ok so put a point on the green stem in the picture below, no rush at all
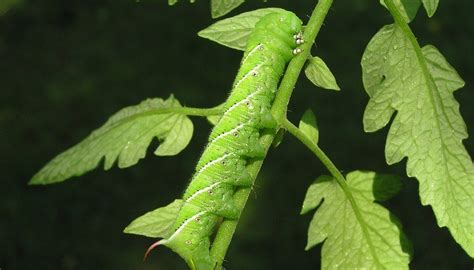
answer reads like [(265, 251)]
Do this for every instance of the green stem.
[(280, 105), (227, 229), (337, 175), (318, 152), (190, 111)]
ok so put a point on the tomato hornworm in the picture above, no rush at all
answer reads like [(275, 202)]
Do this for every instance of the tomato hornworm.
[(235, 139)]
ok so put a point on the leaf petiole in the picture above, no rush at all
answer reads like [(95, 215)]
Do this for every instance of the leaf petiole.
[(190, 111), (319, 153)]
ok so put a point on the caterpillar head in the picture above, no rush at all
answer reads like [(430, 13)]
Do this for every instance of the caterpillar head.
[(291, 22), (275, 31)]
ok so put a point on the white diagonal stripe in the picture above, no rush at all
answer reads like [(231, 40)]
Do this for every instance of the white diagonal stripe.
[(240, 102), (252, 52), (250, 73), (210, 163), (197, 193), (222, 135), (184, 225)]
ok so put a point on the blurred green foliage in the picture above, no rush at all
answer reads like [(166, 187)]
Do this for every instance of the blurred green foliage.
[(6, 5), (67, 65)]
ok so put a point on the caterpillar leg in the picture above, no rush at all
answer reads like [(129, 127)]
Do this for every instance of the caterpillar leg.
[(202, 261), (216, 199), (254, 149), (244, 180), (228, 210), (199, 258), (267, 120), (219, 201)]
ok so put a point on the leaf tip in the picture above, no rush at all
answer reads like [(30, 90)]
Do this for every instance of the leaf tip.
[(40, 179), (320, 75), (34, 181), (129, 229), (303, 210), (126, 230), (369, 126), (308, 246), (201, 33)]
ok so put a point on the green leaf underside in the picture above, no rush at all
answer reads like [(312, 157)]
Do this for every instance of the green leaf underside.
[(360, 236), (233, 32), (319, 74), (157, 223), (428, 128), (408, 8), (218, 7), (430, 6), (222, 7), (126, 137), (309, 126)]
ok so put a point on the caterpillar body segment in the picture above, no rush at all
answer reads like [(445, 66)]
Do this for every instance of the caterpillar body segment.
[(222, 169), (234, 140)]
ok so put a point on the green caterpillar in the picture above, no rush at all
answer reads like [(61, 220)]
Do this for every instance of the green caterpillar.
[(222, 166)]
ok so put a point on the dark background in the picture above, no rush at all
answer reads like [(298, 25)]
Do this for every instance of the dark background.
[(65, 66)]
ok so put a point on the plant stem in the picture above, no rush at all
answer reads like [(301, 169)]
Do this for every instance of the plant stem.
[(226, 230), (189, 111), (317, 151), (337, 175), (280, 105)]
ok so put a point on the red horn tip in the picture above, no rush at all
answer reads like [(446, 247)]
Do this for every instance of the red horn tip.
[(150, 249)]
